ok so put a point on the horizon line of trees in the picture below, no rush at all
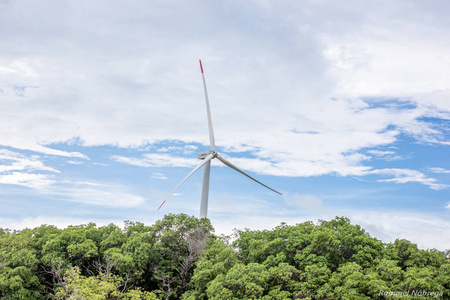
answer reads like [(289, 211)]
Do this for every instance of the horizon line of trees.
[(180, 257)]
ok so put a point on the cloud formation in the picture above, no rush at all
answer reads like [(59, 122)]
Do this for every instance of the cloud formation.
[(406, 175), (297, 89), (18, 169), (31, 172)]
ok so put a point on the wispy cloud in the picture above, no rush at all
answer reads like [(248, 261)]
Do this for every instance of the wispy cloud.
[(156, 160), (159, 176), (386, 155), (407, 175), (35, 181), (186, 149), (297, 167), (30, 171), (75, 162), (14, 161), (440, 170), (95, 193), (19, 169)]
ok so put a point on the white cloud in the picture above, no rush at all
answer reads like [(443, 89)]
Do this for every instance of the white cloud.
[(36, 181), (18, 169), (295, 109), (380, 153), (89, 99), (13, 161), (109, 195), (296, 166), (75, 162), (159, 176), (386, 155), (407, 175), (157, 160), (186, 149), (386, 54), (440, 170)]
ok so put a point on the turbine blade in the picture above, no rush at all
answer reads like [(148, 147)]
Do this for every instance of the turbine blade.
[(227, 163), (208, 111), (208, 158)]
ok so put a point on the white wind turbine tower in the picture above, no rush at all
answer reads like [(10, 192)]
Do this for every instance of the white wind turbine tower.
[(207, 156)]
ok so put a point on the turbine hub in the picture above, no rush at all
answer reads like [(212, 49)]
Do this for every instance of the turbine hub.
[(204, 154)]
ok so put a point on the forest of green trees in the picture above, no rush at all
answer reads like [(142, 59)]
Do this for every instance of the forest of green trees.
[(179, 257)]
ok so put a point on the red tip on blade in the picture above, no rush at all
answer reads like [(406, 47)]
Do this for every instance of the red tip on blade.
[(201, 67), (162, 204)]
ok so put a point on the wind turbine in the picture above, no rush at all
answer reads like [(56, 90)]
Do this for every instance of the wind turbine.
[(206, 158)]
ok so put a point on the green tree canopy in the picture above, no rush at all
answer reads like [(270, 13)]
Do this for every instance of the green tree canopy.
[(179, 257)]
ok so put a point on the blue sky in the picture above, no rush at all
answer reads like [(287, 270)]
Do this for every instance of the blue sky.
[(343, 107)]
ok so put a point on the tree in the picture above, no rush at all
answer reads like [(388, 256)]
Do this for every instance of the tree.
[(240, 282), (217, 259), (18, 266), (180, 239), (100, 287), (421, 279)]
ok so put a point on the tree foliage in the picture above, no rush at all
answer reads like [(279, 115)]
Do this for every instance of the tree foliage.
[(179, 257)]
